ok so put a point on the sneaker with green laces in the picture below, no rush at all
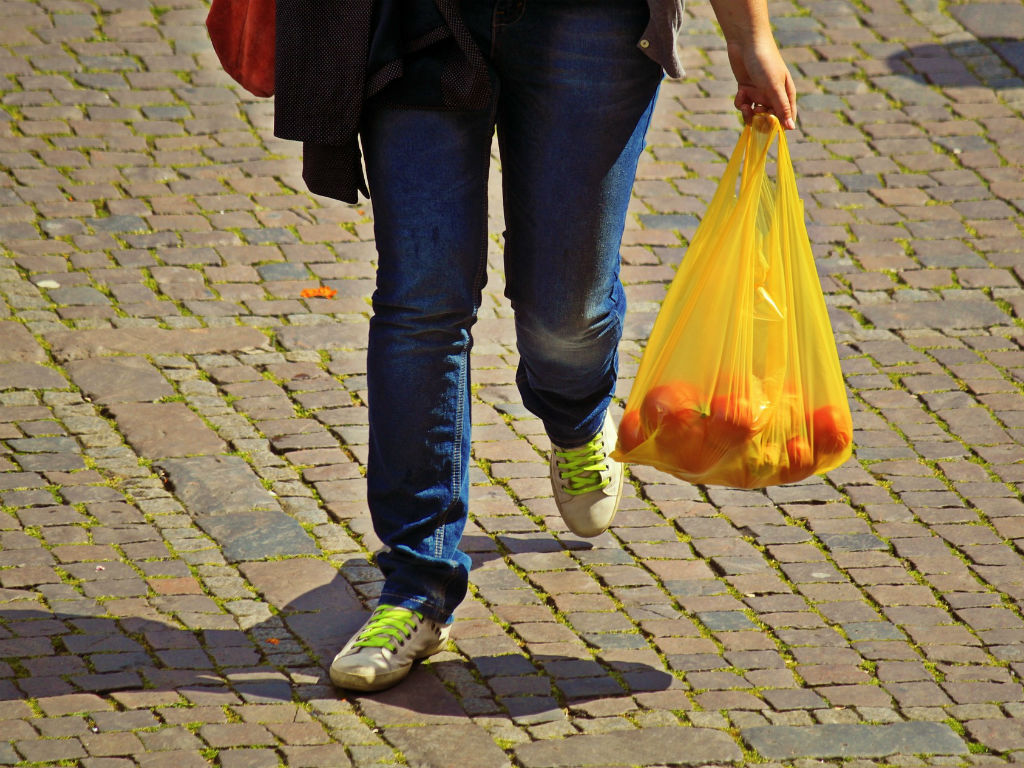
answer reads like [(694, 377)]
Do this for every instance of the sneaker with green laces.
[(384, 649), (587, 483)]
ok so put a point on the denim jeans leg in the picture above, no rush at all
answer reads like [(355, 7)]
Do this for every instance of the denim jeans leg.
[(576, 101), (427, 173)]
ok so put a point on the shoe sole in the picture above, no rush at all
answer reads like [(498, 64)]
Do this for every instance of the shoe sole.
[(355, 682)]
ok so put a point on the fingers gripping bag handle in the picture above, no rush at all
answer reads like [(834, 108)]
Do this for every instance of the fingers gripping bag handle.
[(740, 383)]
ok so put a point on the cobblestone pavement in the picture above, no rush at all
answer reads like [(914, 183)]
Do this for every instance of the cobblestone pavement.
[(184, 540)]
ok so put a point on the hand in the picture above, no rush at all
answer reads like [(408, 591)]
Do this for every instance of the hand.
[(764, 82)]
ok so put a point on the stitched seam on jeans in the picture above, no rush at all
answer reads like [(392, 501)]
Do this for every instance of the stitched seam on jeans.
[(454, 483), (478, 283)]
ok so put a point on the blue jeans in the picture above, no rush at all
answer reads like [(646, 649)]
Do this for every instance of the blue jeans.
[(573, 98)]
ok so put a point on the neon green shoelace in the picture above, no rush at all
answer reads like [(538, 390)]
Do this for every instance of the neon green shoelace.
[(581, 468), (389, 627)]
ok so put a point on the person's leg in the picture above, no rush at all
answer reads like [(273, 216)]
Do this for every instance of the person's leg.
[(427, 172), (577, 98)]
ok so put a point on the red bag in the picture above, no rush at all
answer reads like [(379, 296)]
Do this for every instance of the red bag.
[(242, 33)]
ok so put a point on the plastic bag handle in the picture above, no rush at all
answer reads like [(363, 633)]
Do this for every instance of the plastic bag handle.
[(744, 156)]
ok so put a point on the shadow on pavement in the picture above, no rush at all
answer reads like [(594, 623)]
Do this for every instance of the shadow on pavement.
[(49, 653), (53, 653), (964, 64)]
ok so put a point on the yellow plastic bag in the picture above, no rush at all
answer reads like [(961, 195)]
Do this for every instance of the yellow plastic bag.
[(740, 383)]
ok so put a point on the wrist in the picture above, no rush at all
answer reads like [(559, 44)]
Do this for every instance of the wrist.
[(755, 38)]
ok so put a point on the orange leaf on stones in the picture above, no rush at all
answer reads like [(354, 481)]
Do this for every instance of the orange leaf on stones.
[(320, 292)]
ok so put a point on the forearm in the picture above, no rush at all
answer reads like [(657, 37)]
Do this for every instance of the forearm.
[(743, 22)]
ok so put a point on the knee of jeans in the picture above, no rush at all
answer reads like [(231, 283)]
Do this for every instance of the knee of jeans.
[(425, 305), (423, 317), (571, 337)]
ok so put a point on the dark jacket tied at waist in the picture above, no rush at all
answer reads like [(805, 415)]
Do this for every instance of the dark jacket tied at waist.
[(331, 57)]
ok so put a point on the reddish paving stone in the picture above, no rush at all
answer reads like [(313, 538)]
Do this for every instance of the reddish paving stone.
[(688, 746), (166, 430), (50, 750), (19, 344), (172, 759), (248, 758), (999, 735), (119, 380), (111, 744), (58, 706), (977, 692), (299, 733), (918, 694), (432, 745), (225, 735), (325, 756), (855, 695)]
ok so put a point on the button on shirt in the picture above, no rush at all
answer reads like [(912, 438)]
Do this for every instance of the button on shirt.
[(662, 34)]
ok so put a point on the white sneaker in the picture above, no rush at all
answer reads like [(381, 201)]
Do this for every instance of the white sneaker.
[(587, 483), (382, 652)]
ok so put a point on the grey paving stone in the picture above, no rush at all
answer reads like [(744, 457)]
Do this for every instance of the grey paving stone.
[(872, 630), (50, 462), (786, 742), (1013, 54), (44, 445), (271, 235), (989, 19), (429, 746), (165, 430), (30, 376), (853, 542), (217, 485), (78, 295), (119, 224), (76, 345), (935, 314), (254, 535), (647, 746), (718, 621), (669, 221), (329, 336), (283, 271), (119, 380)]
